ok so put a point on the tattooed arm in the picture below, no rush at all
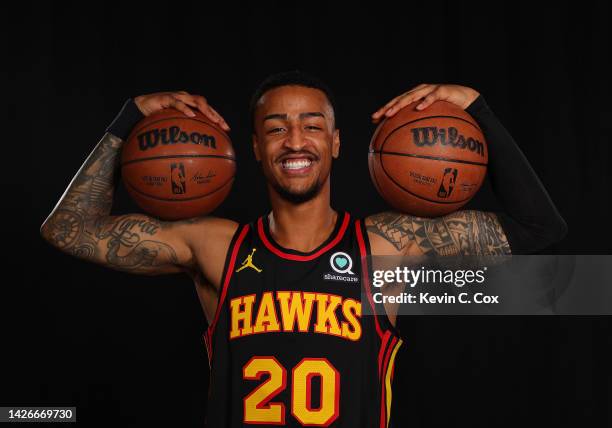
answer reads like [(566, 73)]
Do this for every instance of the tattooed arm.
[(459, 233), (81, 225)]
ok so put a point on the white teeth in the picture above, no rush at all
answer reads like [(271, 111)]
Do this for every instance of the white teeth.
[(296, 164)]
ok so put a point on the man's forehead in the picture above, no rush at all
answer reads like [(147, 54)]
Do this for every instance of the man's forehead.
[(294, 98)]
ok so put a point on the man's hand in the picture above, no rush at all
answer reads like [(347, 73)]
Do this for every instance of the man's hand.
[(181, 101), (461, 96)]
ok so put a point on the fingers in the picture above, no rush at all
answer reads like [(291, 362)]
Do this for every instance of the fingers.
[(437, 94), (409, 98), (181, 106), (422, 85), (390, 104), (427, 101), (378, 113), (169, 100), (201, 104), (403, 100), (195, 101)]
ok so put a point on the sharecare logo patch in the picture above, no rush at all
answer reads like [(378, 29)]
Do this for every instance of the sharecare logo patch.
[(341, 262)]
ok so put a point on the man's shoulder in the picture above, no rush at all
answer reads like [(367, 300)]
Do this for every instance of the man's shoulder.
[(390, 233), (206, 231)]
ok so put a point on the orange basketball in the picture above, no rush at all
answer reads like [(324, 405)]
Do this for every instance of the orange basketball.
[(178, 167), (430, 162)]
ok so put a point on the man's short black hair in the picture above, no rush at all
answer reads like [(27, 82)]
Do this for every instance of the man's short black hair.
[(289, 78)]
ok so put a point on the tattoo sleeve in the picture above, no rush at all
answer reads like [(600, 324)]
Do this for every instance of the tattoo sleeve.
[(80, 223), (459, 233)]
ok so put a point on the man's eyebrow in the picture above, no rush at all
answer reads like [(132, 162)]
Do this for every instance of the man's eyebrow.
[(312, 114), (302, 115), (275, 116)]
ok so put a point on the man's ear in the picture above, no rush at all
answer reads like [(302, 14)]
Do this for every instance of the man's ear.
[(336, 144), (255, 147)]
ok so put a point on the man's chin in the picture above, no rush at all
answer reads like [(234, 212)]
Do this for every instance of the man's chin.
[(298, 196)]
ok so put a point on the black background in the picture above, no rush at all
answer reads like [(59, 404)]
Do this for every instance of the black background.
[(126, 350)]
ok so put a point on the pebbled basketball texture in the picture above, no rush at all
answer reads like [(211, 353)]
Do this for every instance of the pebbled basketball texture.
[(177, 167), (428, 163)]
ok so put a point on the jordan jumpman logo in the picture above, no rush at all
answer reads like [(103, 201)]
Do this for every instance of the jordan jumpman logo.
[(248, 262)]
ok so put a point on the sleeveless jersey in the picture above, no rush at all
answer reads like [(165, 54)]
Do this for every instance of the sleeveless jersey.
[(290, 344)]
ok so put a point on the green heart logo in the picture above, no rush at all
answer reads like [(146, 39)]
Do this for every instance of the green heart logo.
[(341, 262)]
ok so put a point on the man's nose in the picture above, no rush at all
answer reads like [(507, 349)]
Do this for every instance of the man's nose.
[(295, 139)]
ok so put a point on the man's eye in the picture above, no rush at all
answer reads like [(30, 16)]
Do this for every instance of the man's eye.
[(275, 130), (312, 127)]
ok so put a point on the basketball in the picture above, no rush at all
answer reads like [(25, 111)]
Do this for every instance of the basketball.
[(177, 167), (428, 163)]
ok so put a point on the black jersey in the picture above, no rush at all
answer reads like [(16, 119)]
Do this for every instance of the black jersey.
[(289, 345)]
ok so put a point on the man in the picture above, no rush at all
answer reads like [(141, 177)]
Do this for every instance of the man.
[(287, 342)]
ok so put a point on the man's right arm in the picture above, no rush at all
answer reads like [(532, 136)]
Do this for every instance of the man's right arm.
[(81, 224)]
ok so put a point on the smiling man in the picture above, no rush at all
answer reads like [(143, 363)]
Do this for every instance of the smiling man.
[(297, 168), (287, 341)]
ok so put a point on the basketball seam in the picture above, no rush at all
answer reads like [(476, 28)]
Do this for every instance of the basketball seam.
[(435, 117), (382, 165), (140, 192), (178, 156), (429, 157)]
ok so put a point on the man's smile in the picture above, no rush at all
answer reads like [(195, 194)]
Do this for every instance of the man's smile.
[(297, 164)]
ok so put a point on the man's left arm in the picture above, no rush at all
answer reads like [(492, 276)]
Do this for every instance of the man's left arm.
[(529, 221), (459, 233)]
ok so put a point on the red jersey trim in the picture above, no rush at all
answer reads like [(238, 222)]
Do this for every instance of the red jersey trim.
[(381, 352), (386, 382), (366, 275), (383, 396), (302, 258), (227, 278)]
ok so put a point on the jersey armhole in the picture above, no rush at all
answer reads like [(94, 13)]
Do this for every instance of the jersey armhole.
[(228, 270), (381, 314)]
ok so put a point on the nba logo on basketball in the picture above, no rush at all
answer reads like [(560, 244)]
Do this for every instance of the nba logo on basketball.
[(448, 182), (177, 174)]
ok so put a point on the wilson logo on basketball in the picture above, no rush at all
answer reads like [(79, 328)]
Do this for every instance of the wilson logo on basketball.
[(173, 135), (431, 135)]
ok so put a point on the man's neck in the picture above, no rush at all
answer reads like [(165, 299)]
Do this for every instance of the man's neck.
[(302, 227)]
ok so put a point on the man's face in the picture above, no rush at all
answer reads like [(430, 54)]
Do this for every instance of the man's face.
[(295, 139)]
